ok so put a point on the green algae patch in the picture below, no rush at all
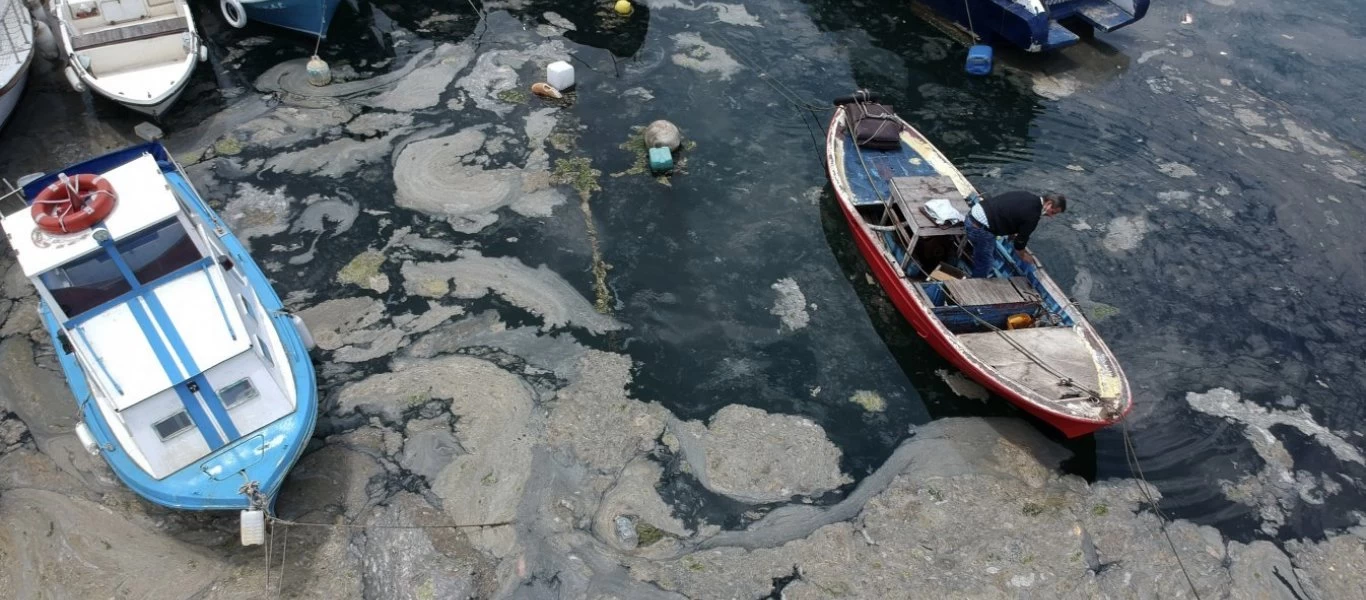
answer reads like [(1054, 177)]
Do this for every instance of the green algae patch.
[(563, 141), (514, 96), (870, 401), (640, 164), (1100, 311), (227, 146), (578, 173), (363, 271), (648, 534)]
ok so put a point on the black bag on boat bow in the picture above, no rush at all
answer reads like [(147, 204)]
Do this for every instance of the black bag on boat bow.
[(875, 126)]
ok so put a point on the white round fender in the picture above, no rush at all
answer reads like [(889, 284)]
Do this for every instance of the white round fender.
[(87, 440), (76, 83), (233, 13), (253, 527), (304, 334)]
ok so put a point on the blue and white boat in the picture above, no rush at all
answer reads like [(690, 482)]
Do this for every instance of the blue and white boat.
[(308, 16), (191, 379), (1039, 25)]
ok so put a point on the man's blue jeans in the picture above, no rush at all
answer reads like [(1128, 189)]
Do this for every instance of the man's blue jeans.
[(983, 248)]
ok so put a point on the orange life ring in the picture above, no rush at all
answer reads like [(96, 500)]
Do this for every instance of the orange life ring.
[(73, 203)]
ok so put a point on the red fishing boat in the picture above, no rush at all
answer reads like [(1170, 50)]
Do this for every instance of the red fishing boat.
[(1014, 331)]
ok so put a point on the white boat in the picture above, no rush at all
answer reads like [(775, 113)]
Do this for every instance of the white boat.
[(139, 53), (16, 54)]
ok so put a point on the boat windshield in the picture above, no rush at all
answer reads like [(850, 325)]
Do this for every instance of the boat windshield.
[(85, 283), (158, 251), (94, 279)]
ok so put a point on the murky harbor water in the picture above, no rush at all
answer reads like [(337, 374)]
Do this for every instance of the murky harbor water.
[(518, 325)]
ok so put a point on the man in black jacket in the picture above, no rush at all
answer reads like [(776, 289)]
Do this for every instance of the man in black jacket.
[(1013, 214)]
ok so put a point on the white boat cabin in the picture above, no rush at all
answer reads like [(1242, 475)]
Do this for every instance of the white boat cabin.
[(177, 352)]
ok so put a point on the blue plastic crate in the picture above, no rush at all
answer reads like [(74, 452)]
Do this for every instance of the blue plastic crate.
[(661, 160), (979, 60)]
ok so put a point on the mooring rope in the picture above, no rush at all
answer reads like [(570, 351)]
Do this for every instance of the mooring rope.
[(1131, 454), (350, 526)]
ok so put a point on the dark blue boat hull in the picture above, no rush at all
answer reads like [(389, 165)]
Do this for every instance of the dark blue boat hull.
[(308, 16), (1063, 22)]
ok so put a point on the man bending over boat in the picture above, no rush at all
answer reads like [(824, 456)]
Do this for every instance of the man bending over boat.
[(1013, 214)]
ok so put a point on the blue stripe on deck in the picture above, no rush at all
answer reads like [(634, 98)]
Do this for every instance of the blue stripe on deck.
[(883, 165), (183, 352), (188, 400), (220, 412)]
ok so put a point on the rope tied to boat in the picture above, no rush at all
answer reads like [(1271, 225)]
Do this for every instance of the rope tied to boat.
[(1131, 455), (1093, 396)]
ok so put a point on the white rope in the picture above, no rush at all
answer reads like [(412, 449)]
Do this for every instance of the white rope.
[(1131, 453), (284, 563), (366, 527), (971, 29)]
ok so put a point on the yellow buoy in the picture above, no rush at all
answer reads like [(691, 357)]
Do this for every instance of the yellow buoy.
[(624, 7)]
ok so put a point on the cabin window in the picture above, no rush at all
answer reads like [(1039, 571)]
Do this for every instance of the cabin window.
[(173, 425), (85, 283), (246, 307), (237, 393), (158, 251), (265, 352)]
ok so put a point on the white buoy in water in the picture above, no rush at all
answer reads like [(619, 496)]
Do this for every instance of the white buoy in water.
[(253, 527), (560, 75), (663, 134), (319, 74)]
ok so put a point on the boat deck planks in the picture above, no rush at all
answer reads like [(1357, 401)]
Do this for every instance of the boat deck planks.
[(1058, 347), (136, 31), (983, 292)]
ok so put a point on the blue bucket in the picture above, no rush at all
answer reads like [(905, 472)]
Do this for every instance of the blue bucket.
[(979, 60)]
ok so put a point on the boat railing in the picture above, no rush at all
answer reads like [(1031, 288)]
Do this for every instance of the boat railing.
[(12, 199), (18, 39)]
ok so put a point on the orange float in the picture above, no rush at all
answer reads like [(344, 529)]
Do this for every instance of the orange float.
[(73, 203)]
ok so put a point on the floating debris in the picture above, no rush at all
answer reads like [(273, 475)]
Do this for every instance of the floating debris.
[(545, 90)]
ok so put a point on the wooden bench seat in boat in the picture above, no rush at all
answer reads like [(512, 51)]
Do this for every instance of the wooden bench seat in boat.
[(1061, 348), (985, 291), (127, 33)]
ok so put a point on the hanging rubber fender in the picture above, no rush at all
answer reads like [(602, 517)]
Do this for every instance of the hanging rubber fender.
[(233, 13), (87, 439), (203, 51), (305, 335), (76, 83), (73, 204), (859, 96)]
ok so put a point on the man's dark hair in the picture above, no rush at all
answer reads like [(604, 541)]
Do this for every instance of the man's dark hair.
[(1059, 201)]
